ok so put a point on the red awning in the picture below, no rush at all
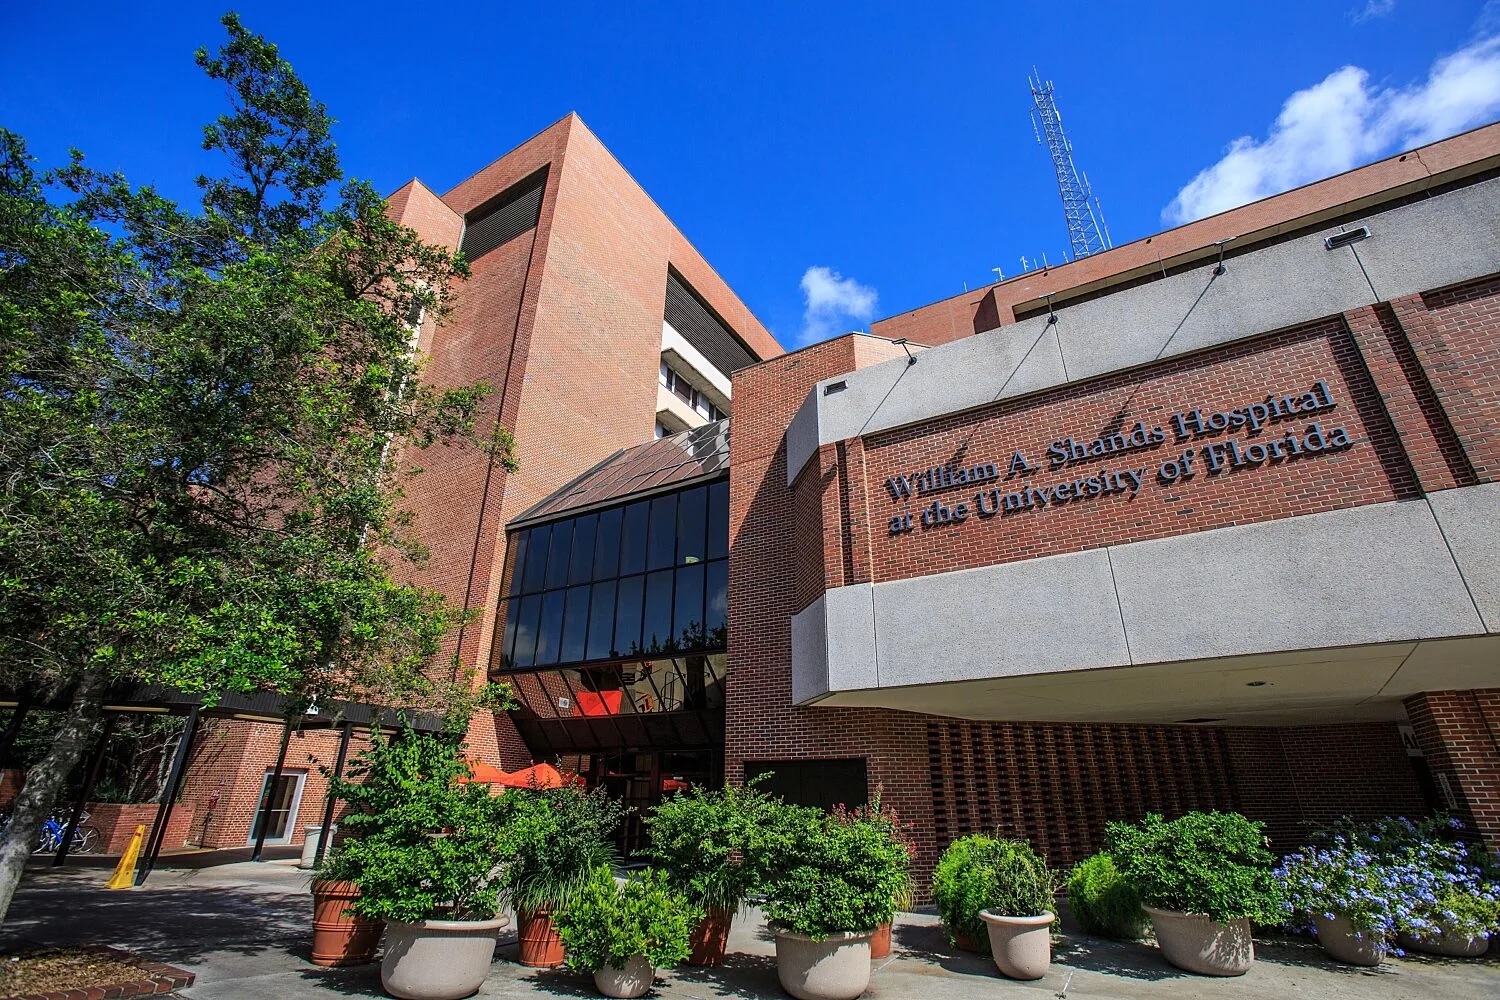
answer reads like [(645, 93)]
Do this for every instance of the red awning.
[(599, 702)]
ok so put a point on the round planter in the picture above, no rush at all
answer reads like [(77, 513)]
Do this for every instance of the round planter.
[(963, 942), (541, 945), (1339, 941), (835, 968), (880, 943), (1450, 945), (711, 937), (632, 981), (1194, 943), (438, 959), (341, 938), (1021, 946)]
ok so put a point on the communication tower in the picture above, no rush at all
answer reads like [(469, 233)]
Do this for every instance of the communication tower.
[(1086, 229)]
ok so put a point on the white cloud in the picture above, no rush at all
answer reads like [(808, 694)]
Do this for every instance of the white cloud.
[(1343, 122), (1372, 10), (832, 303)]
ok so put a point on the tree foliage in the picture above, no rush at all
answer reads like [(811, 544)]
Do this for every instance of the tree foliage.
[(207, 415)]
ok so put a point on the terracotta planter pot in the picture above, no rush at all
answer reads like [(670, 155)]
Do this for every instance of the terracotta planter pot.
[(541, 945), (1339, 941), (963, 942), (835, 968), (880, 944), (1021, 946), (632, 981), (711, 937), (438, 959), (341, 938), (1450, 945), (1194, 943)]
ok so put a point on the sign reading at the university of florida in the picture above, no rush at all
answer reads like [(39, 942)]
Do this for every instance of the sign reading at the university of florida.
[(1189, 427)]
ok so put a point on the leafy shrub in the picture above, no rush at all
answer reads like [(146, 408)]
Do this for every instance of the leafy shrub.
[(424, 845), (608, 923), (702, 839), (1105, 903), (557, 853), (1212, 863), (982, 873), (824, 874), (888, 819), (1343, 878)]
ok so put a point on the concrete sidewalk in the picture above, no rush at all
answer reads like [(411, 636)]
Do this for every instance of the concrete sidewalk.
[(245, 929)]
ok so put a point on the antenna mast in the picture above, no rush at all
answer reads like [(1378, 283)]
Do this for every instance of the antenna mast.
[(1086, 229)]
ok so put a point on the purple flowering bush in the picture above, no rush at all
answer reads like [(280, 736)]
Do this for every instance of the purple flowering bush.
[(1394, 876)]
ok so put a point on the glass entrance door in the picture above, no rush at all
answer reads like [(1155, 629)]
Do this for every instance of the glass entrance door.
[(278, 807)]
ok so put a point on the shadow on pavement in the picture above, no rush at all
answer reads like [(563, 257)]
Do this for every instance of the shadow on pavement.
[(746, 976)]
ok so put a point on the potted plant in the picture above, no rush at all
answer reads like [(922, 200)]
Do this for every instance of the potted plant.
[(341, 936), (1352, 897), (427, 854), (1203, 878), (961, 888), (885, 816), (830, 881), (1103, 900), (623, 931), (1020, 918), (700, 840), (1452, 890), (555, 859)]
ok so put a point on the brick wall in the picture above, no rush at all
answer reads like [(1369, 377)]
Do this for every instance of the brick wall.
[(116, 823), (1459, 732)]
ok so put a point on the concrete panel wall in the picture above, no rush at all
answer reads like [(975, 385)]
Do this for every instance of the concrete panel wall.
[(1372, 574), (1470, 520), (1446, 239), (1037, 616)]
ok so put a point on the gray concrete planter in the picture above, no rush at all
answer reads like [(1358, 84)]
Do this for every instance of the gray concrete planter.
[(1194, 943), (1339, 941), (438, 959), (1021, 946), (632, 981), (835, 968)]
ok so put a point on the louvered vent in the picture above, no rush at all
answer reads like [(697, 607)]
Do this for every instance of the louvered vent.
[(502, 219), (702, 328)]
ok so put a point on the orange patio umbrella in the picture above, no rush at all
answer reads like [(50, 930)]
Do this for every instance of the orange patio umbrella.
[(484, 774), (540, 776)]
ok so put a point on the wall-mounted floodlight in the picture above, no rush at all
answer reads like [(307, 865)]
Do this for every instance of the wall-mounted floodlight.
[(1344, 239), (911, 358), (1219, 268)]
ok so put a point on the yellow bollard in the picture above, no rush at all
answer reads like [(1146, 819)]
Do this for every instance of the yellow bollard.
[(124, 876)]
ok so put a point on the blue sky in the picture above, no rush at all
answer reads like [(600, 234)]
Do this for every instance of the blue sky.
[(835, 162)]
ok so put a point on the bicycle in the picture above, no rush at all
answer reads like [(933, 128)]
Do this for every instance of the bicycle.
[(49, 840)]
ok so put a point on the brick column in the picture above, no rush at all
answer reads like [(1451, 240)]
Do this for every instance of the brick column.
[(1458, 732)]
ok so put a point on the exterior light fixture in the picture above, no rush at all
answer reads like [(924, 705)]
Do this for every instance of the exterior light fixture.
[(1345, 238), (911, 358), (1219, 268)]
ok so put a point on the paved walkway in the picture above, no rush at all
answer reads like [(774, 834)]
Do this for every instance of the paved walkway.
[(245, 928)]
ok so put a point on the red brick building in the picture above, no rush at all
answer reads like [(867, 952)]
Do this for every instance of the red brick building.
[(1203, 521)]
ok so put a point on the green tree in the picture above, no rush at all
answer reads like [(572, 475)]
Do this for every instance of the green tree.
[(205, 421)]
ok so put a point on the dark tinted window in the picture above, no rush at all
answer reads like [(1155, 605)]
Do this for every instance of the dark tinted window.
[(601, 621), (716, 613), (575, 625), (607, 544), (633, 538), (549, 627), (692, 512), (517, 559), (536, 558), (687, 608), (656, 629), (582, 565), (718, 520), (525, 624), (627, 639), (662, 538), (558, 552)]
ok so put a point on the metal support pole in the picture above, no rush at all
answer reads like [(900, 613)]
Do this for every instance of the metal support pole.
[(13, 729), (168, 796), (263, 814), (338, 772), (85, 792)]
